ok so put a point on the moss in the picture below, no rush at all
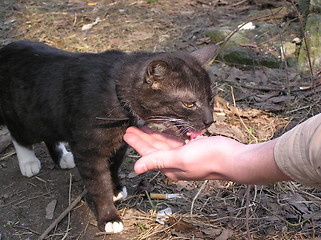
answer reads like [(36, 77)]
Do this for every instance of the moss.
[(315, 6), (219, 34), (238, 56), (245, 56)]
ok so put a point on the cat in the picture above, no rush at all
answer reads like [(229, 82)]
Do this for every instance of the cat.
[(90, 99)]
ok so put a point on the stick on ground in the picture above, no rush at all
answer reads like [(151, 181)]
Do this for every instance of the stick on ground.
[(62, 215)]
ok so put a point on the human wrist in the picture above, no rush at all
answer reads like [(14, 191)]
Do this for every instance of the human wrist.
[(256, 164), (225, 163)]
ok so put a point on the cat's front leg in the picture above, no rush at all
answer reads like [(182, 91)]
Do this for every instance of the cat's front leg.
[(120, 192), (94, 170), (28, 162), (60, 155)]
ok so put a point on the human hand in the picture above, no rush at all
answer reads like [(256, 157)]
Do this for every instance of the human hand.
[(204, 158), (199, 159)]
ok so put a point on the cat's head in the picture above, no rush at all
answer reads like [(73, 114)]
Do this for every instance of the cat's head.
[(174, 90)]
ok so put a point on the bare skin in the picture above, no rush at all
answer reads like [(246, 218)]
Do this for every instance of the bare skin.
[(204, 158)]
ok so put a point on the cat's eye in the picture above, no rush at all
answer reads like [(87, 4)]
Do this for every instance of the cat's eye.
[(188, 104)]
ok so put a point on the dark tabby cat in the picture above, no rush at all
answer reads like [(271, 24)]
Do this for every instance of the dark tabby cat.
[(55, 96)]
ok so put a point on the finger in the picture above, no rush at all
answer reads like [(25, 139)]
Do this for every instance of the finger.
[(170, 139), (149, 138), (133, 130), (138, 143), (148, 133), (155, 160)]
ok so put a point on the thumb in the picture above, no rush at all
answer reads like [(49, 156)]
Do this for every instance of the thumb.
[(154, 160)]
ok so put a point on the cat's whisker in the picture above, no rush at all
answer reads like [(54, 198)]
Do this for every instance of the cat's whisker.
[(167, 119), (183, 127)]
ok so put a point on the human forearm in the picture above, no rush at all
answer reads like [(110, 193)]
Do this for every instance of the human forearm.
[(254, 164)]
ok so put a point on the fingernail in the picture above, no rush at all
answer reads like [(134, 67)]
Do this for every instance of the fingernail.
[(140, 168)]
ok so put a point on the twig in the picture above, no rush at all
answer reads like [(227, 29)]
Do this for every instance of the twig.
[(247, 211), (238, 3), (238, 114), (285, 59), (69, 201), (7, 155), (63, 214), (196, 196), (293, 88)]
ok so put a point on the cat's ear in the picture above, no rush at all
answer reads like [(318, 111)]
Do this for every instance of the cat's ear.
[(156, 70), (206, 54)]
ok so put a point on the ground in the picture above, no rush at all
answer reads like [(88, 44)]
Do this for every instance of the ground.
[(253, 104)]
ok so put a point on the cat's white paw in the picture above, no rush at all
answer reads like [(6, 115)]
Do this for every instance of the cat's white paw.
[(114, 227), (28, 162), (30, 167), (67, 161), (122, 195)]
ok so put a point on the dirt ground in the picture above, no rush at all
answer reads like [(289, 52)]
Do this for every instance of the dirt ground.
[(253, 104)]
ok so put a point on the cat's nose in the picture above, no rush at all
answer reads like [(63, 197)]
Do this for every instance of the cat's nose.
[(208, 122)]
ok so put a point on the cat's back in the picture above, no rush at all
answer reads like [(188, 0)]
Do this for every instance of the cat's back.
[(21, 53), (22, 48), (30, 52)]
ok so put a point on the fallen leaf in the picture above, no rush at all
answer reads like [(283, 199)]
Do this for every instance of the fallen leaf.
[(203, 40), (50, 209), (184, 185), (180, 225), (299, 203), (144, 185), (90, 25), (212, 231), (280, 99), (264, 97), (226, 234), (132, 175)]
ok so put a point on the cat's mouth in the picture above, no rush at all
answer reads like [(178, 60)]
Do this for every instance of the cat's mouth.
[(178, 131), (191, 135)]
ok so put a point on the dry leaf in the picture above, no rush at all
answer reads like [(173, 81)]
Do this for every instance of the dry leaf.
[(280, 99), (50, 209), (180, 225), (132, 175), (184, 185), (211, 231), (90, 25), (226, 234)]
